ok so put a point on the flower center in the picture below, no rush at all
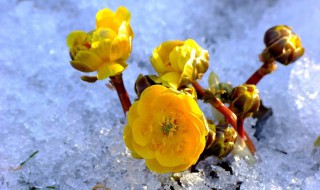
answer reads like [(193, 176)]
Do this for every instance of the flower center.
[(169, 126)]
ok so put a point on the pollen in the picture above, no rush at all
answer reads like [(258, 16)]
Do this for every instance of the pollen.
[(169, 127)]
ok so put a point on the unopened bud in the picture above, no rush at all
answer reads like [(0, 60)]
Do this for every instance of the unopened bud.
[(142, 82), (210, 139), (244, 100), (282, 44), (224, 141)]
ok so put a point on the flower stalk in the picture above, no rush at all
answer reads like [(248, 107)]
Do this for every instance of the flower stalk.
[(266, 68), (240, 127), (228, 114), (216, 103), (117, 82)]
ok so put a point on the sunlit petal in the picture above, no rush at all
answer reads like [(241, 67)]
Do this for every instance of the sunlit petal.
[(109, 69), (86, 61), (141, 131)]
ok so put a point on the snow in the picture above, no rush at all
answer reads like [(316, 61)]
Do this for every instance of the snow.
[(77, 127)]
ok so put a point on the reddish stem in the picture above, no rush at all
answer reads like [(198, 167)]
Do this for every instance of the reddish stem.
[(216, 103), (266, 68), (117, 82), (240, 127), (255, 78), (228, 114)]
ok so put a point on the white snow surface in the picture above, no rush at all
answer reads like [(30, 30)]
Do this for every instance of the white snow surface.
[(77, 127)]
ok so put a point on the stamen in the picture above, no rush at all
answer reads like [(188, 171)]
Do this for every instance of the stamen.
[(169, 127)]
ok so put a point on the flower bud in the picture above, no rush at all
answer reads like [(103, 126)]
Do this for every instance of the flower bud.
[(211, 134), (224, 141), (142, 82), (282, 44), (244, 100)]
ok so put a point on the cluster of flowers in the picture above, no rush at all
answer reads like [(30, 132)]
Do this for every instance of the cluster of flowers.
[(165, 125)]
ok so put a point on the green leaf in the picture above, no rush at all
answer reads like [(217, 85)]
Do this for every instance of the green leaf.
[(31, 156)]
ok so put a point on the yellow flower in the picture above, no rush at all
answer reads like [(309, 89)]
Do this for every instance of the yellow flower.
[(106, 48), (179, 63), (167, 129)]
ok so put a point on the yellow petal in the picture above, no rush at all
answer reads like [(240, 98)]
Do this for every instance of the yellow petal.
[(155, 79), (120, 49), (157, 63), (127, 134), (126, 30), (102, 49), (135, 155), (122, 14), (167, 157), (105, 19), (167, 102), (199, 131), (165, 48), (171, 79), (188, 141), (189, 71), (183, 167), (133, 113), (147, 97), (76, 38), (154, 166), (181, 147), (145, 152), (178, 57), (106, 70), (160, 57), (101, 34), (193, 44), (86, 61), (200, 123), (200, 149), (141, 131), (191, 105), (127, 137)]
